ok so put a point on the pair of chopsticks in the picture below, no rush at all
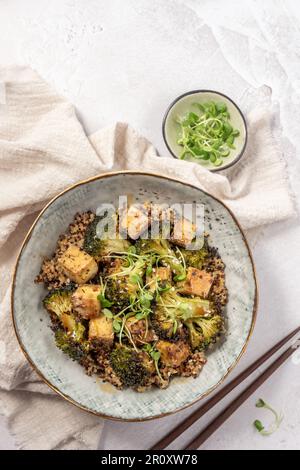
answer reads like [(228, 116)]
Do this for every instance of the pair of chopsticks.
[(236, 403)]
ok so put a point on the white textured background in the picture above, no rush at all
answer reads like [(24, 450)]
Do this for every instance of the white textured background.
[(126, 60)]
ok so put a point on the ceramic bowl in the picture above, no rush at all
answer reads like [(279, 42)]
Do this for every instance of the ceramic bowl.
[(185, 104), (68, 378)]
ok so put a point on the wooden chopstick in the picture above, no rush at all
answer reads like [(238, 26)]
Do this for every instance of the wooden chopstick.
[(235, 404), (185, 424)]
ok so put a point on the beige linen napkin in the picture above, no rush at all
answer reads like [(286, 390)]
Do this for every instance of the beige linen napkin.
[(43, 149)]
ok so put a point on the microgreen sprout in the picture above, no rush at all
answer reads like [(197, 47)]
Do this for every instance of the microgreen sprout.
[(163, 287), (274, 426), (108, 313), (136, 279), (155, 355), (127, 333), (149, 270), (207, 134), (105, 303), (181, 276), (117, 325)]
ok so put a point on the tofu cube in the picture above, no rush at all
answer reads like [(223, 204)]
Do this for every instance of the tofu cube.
[(198, 282), (101, 329), (173, 354), (85, 301), (139, 331), (135, 221), (79, 266), (184, 232), (158, 274)]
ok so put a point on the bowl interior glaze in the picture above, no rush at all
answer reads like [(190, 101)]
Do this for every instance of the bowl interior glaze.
[(68, 378)]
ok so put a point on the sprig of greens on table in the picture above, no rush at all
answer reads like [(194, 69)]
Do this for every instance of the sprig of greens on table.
[(207, 134), (275, 425)]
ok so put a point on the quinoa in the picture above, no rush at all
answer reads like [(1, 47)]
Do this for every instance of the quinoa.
[(97, 363), (194, 364)]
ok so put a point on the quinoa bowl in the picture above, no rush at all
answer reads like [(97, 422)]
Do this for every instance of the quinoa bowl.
[(97, 393)]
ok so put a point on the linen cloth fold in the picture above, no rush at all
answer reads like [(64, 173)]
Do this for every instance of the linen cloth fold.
[(43, 149)]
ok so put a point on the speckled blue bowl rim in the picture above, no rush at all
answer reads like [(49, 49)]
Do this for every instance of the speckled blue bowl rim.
[(70, 399), (193, 92)]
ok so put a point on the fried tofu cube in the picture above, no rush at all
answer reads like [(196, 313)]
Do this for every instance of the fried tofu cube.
[(101, 329), (85, 301), (184, 232), (135, 220), (173, 354), (158, 274), (139, 331), (198, 282), (79, 266)]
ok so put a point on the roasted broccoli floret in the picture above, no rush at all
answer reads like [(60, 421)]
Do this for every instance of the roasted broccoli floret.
[(58, 301), (183, 308), (198, 315), (195, 258), (165, 328), (100, 248), (70, 336), (199, 258), (204, 330), (73, 345), (128, 366), (163, 251), (118, 294)]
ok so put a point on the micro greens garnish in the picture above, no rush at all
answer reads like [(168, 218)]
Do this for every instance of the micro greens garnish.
[(259, 426), (208, 134), (163, 287), (101, 297), (134, 266), (149, 270), (142, 306), (108, 313), (117, 325), (136, 279), (274, 426), (182, 276), (155, 355), (122, 326), (128, 334), (104, 302), (131, 261)]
